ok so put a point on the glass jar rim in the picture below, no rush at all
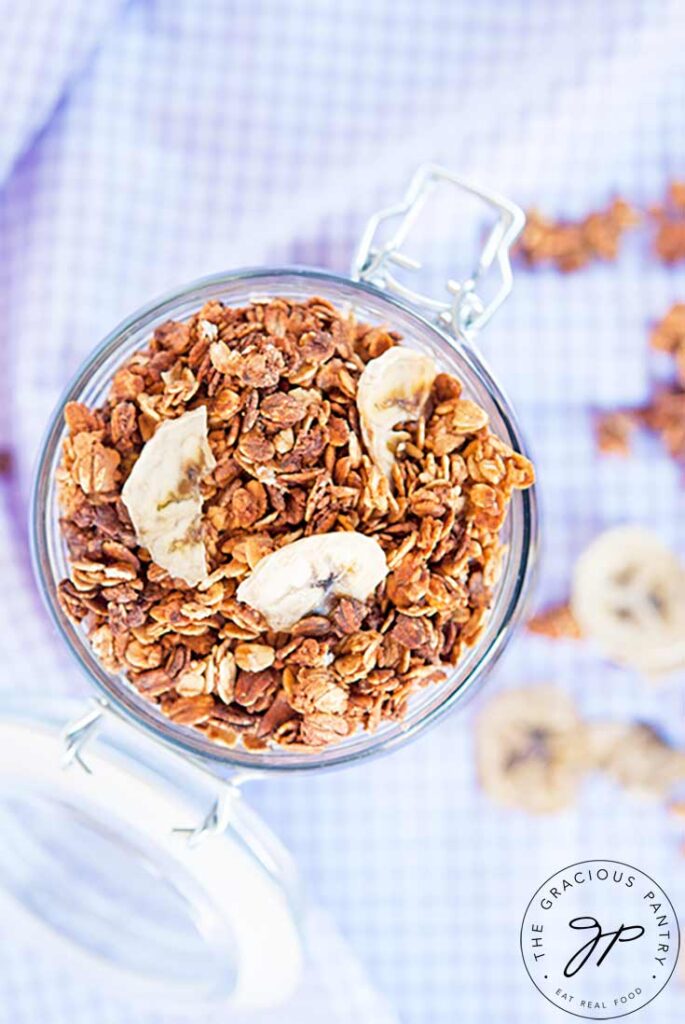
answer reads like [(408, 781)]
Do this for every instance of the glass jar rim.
[(121, 696)]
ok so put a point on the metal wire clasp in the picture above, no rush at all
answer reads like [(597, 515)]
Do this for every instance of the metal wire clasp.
[(77, 734), (81, 732), (465, 312), (217, 819)]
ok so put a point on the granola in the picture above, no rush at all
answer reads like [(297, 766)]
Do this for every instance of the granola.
[(664, 413), (570, 245), (669, 218), (556, 622), (287, 461)]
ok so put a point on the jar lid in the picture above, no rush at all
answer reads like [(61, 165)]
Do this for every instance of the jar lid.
[(104, 860)]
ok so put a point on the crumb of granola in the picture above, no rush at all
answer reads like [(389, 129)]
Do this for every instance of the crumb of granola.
[(556, 622), (613, 432), (677, 808), (664, 415), (570, 245), (668, 335), (669, 218), (279, 384)]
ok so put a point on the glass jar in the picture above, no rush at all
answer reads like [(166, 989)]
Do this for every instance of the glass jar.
[(160, 803), (443, 327), (97, 870)]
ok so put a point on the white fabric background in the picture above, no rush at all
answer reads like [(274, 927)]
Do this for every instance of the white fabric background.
[(144, 143)]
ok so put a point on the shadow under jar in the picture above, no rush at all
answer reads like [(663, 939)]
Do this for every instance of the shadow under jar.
[(444, 329)]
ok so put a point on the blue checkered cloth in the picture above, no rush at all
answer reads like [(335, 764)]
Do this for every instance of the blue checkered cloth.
[(145, 143)]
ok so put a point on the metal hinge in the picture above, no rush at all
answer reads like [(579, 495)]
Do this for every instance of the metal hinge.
[(464, 311)]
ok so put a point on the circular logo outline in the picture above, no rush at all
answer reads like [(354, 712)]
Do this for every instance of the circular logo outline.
[(600, 861)]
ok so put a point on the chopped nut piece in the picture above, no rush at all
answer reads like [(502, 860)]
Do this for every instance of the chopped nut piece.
[(254, 657), (283, 409), (95, 466), (409, 632), (252, 686)]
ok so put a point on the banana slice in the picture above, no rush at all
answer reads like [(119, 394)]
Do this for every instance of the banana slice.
[(300, 577), (628, 595), (162, 495), (392, 388), (531, 749)]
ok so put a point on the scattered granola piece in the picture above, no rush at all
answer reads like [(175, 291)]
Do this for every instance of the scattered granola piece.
[(668, 335), (665, 415), (613, 431), (556, 622), (570, 245), (669, 218)]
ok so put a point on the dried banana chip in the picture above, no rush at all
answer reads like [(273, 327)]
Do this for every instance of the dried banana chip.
[(532, 749), (301, 577), (162, 495), (628, 595), (393, 388)]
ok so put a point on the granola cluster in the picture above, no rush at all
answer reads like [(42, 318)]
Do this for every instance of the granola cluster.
[(279, 382), (570, 245)]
